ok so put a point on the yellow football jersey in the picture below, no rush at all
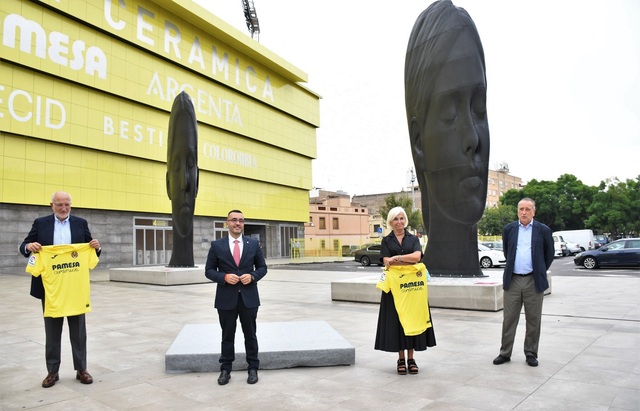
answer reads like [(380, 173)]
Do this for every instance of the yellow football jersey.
[(65, 276), (408, 284)]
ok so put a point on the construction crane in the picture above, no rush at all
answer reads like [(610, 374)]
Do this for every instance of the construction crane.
[(252, 19)]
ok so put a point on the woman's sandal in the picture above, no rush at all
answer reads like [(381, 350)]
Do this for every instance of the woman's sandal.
[(402, 367), (413, 367)]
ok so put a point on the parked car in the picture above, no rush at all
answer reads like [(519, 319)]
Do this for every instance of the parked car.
[(620, 253), (560, 247), (349, 250), (600, 240), (369, 253), (490, 258), (574, 248), (494, 245)]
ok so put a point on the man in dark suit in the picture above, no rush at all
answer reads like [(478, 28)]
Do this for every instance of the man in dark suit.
[(60, 228), (528, 246), (236, 264)]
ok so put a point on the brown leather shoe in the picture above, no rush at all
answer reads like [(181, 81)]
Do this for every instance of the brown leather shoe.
[(84, 377), (50, 380)]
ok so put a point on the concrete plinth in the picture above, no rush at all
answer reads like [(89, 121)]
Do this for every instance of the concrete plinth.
[(159, 275), (282, 345), (480, 294)]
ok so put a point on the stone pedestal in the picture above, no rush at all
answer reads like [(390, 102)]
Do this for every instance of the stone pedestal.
[(159, 275), (282, 345), (481, 294)]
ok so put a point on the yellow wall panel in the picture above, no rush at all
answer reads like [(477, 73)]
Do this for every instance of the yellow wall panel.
[(130, 131), (123, 23), (114, 182), (154, 81)]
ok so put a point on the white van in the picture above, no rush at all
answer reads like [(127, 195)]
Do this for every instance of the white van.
[(584, 238)]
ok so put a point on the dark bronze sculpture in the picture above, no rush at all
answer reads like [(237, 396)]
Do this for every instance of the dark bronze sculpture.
[(182, 177), (445, 96)]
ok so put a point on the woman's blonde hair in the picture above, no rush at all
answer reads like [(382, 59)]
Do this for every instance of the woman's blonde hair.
[(393, 213)]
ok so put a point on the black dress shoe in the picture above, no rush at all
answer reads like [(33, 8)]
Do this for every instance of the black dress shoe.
[(224, 377), (532, 361), (50, 380), (253, 377), (501, 359)]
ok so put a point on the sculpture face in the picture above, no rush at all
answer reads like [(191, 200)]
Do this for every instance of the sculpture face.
[(455, 140)]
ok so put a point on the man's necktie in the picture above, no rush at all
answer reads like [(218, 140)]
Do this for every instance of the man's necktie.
[(236, 252)]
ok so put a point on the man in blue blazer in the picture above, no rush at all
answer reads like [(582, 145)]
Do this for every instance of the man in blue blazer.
[(528, 246), (236, 264), (60, 228)]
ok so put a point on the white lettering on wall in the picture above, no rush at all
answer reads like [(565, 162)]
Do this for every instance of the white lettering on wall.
[(55, 46), (22, 107), (142, 27), (229, 155), (139, 133), (171, 38), (146, 25), (204, 102)]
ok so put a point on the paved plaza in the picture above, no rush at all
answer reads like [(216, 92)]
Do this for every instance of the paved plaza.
[(589, 352)]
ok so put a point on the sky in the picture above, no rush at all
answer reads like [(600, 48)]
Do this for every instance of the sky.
[(563, 84)]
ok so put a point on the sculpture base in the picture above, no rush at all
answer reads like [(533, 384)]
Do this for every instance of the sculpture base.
[(282, 345), (159, 275), (483, 294)]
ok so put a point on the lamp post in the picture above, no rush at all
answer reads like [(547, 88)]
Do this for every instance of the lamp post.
[(413, 192)]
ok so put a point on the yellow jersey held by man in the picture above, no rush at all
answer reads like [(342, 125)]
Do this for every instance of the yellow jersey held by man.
[(65, 276)]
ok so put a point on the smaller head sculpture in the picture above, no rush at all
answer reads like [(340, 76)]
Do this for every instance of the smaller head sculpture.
[(182, 177), (445, 97)]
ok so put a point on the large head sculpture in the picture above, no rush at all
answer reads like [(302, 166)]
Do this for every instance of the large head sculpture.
[(182, 177), (445, 96)]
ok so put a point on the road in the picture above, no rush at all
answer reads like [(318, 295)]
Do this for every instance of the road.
[(562, 266)]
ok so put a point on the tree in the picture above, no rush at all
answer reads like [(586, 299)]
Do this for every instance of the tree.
[(390, 201), (615, 208), (494, 219), (612, 208)]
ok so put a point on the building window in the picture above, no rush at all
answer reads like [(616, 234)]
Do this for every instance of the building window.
[(333, 208), (336, 224), (322, 208), (322, 223)]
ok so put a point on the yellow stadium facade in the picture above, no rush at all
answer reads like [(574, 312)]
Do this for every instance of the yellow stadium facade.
[(86, 89)]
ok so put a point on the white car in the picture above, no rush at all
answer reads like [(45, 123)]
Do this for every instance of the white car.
[(490, 258), (573, 248)]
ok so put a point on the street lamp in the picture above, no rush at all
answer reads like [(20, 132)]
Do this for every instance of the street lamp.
[(412, 178)]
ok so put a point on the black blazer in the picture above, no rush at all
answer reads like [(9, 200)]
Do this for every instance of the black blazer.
[(542, 253), (42, 232), (220, 262)]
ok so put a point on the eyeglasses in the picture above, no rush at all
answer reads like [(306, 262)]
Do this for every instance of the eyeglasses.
[(236, 220), (67, 205)]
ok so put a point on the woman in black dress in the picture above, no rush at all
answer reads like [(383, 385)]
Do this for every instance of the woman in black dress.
[(400, 247)]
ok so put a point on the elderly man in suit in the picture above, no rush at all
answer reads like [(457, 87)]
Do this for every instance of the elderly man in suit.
[(528, 246), (236, 264), (60, 228)]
